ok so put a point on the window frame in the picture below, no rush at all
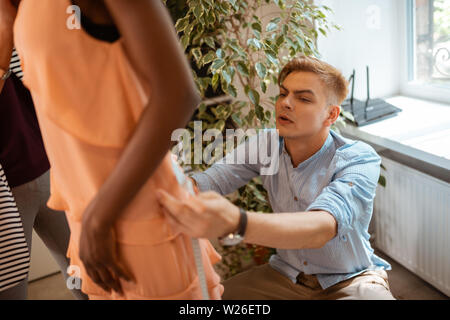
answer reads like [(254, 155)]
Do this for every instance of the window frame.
[(409, 86)]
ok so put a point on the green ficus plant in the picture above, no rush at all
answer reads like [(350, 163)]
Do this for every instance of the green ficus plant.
[(237, 49), (244, 44)]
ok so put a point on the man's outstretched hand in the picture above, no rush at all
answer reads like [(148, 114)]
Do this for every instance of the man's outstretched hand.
[(206, 215)]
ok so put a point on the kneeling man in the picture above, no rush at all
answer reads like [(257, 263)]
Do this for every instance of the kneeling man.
[(322, 194)]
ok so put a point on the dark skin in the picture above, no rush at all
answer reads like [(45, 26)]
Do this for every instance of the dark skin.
[(152, 46)]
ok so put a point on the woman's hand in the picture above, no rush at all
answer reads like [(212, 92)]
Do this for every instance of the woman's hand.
[(207, 215), (98, 251)]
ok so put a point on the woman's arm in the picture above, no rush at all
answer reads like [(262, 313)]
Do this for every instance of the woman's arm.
[(153, 48), (8, 14), (209, 215)]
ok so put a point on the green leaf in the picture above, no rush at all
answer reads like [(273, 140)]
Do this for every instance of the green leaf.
[(250, 115), (226, 76), (259, 111), (254, 43), (263, 87), (215, 81), (234, 4), (261, 70), (271, 58), (233, 45), (220, 54), (300, 41), (280, 40), (220, 125), (198, 11), (185, 41), (275, 20), (231, 71), (209, 57), (189, 29), (257, 34), (236, 119), (211, 18), (257, 26), (202, 108), (182, 24), (197, 53), (271, 27), (382, 181), (218, 64), (254, 96), (232, 90), (323, 31), (210, 42), (242, 68)]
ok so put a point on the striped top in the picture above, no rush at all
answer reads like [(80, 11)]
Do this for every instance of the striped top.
[(14, 254), (15, 65), (341, 178)]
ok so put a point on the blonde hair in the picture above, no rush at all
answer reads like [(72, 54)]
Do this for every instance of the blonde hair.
[(332, 78)]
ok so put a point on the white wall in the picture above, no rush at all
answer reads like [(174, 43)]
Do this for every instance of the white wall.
[(370, 36)]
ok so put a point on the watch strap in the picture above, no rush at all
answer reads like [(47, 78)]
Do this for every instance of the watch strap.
[(242, 227)]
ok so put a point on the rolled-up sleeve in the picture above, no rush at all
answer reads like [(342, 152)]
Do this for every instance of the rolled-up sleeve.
[(231, 172), (349, 196)]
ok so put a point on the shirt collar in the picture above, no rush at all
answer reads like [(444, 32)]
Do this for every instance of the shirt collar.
[(316, 155)]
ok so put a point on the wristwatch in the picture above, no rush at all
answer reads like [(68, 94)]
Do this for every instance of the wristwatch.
[(236, 237), (5, 74)]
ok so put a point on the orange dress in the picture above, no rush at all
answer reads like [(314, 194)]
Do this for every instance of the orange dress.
[(88, 101)]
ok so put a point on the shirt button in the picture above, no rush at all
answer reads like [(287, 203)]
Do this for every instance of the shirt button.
[(295, 198), (350, 184), (305, 263)]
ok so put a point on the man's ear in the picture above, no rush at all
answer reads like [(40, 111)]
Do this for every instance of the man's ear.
[(333, 115)]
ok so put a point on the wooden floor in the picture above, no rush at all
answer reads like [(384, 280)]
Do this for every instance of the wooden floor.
[(407, 286), (404, 286)]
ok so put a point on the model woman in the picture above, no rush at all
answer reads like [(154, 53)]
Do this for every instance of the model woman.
[(108, 96)]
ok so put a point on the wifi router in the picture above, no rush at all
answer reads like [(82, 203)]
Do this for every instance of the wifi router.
[(369, 111)]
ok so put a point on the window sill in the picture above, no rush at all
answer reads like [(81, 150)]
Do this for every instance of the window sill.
[(419, 136)]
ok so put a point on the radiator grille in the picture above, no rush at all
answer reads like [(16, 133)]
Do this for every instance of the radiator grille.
[(412, 223)]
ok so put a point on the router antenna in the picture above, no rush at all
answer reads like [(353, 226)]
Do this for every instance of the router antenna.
[(368, 92), (368, 84)]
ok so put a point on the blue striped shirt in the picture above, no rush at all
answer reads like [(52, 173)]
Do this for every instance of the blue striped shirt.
[(341, 178)]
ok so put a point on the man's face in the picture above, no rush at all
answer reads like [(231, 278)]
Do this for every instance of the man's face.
[(302, 107)]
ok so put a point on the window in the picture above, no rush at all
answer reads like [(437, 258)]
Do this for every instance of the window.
[(428, 48), (432, 41)]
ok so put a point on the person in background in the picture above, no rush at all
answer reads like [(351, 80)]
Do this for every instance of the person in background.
[(25, 162), (322, 195), (14, 253), (119, 87)]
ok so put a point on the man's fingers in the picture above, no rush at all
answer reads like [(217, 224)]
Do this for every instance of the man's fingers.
[(209, 195), (173, 221), (181, 211), (166, 200)]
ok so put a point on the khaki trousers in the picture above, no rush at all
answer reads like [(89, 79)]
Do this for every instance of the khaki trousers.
[(265, 283)]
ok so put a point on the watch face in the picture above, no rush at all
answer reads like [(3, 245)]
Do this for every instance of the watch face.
[(231, 240)]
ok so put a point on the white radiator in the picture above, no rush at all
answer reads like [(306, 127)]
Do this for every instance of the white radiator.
[(412, 223)]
